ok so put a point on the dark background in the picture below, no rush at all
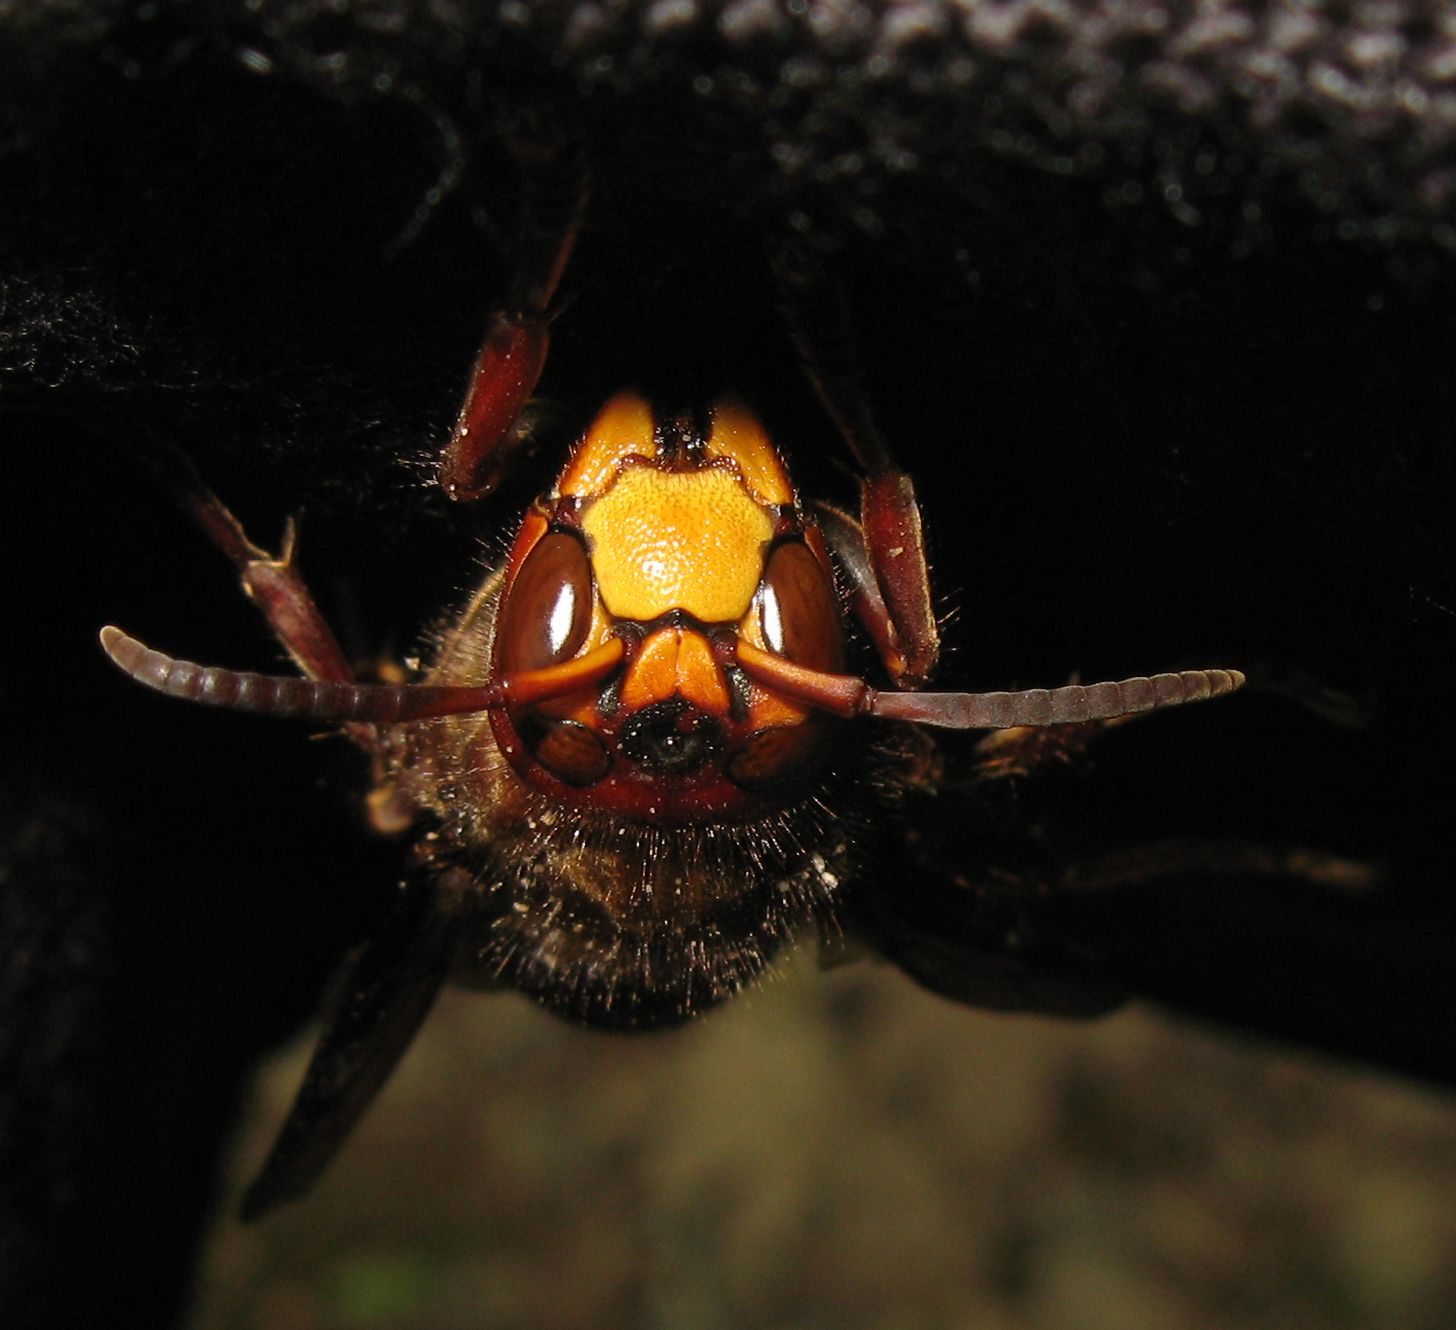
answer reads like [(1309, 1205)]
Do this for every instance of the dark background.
[(1158, 313)]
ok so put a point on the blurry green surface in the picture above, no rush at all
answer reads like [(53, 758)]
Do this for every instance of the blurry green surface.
[(842, 1150)]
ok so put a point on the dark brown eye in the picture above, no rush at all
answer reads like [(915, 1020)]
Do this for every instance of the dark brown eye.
[(799, 610), (548, 609)]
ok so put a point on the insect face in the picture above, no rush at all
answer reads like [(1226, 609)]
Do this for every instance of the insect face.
[(660, 547)]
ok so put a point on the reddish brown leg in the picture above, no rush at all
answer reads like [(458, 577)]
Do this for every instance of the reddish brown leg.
[(272, 583), (845, 538), (900, 618), (509, 366)]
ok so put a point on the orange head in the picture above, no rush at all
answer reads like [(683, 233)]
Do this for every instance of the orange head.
[(664, 544)]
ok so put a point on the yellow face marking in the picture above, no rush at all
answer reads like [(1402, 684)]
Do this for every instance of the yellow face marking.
[(677, 540), (623, 428), (737, 434)]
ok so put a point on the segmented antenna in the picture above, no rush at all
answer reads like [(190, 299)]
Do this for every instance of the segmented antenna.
[(339, 702), (275, 695), (1056, 706), (846, 695)]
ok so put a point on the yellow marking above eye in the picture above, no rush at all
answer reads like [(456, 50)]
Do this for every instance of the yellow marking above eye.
[(738, 434), (677, 540), (623, 428)]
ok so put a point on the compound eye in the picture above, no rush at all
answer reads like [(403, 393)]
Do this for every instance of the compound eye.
[(548, 609), (799, 611)]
